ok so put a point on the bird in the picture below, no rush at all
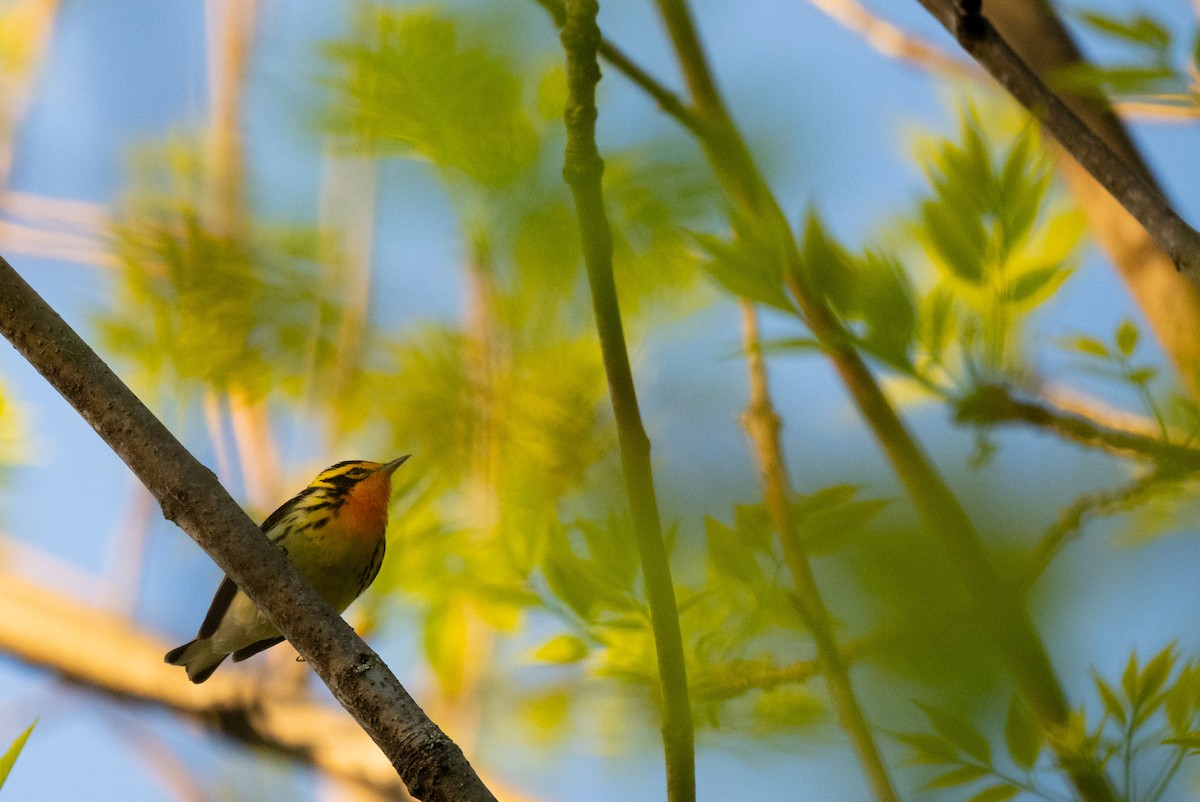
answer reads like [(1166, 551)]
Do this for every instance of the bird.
[(332, 531)]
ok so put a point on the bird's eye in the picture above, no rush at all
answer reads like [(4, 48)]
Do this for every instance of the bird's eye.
[(356, 472)]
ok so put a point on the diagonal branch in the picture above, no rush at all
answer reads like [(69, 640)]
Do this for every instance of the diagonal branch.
[(762, 423), (1130, 186), (889, 40), (992, 404), (430, 764)]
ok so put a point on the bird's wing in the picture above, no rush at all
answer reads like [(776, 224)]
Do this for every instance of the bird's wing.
[(227, 590), (275, 518), (255, 648), (216, 611)]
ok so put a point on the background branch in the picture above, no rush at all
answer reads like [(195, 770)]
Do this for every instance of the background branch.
[(991, 404), (890, 40), (763, 425)]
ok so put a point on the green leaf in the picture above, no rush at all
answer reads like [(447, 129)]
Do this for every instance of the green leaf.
[(957, 238), (753, 528), (1089, 346), (1180, 699), (959, 776), (1140, 29), (960, 733), (1129, 677), (1140, 376), (1036, 285), (996, 793), (10, 755), (561, 649), (1155, 674), (937, 321), (1189, 740), (1022, 186), (751, 269), (927, 749), (825, 265), (1126, 337), (570, 579), (613, 551), (1022, 735), (1094, 81), (1110, 700), (884, 301), (785, 708), (729, 555), (827, 518)]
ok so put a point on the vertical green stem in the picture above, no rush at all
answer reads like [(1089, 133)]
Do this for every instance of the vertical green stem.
[(763, 425), (582, 170)]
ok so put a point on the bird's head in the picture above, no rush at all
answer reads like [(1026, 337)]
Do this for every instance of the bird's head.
[(363, 489)]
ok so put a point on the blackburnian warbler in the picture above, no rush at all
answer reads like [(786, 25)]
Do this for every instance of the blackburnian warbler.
[(332, 531)]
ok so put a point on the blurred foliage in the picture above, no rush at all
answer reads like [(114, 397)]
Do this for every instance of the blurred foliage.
[(1144, 727), (1157, 67), (512, 400), (22, 24), (412, 89), (245, 308), (424, 85), (9, 758), (14, 438)]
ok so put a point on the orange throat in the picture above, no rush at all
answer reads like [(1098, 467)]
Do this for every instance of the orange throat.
[(365, 511)]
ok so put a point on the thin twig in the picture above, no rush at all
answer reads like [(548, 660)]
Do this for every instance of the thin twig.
[(763, 425), (582, 171), (892, 41), (1129, 186), (992, 404), (1073, 517)]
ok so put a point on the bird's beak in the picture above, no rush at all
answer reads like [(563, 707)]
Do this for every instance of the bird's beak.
[(388, 468)]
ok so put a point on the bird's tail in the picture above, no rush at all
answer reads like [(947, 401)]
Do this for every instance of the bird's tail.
[(197, 657)]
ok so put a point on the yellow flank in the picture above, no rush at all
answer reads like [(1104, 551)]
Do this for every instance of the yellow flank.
[(332, 531)]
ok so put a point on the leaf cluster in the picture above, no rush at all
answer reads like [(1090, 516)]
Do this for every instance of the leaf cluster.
[(1146, 727), (1150, 67), (998, 248), (244, 308)]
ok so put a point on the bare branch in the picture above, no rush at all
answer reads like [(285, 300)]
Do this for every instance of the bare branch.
[(892, 41)]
